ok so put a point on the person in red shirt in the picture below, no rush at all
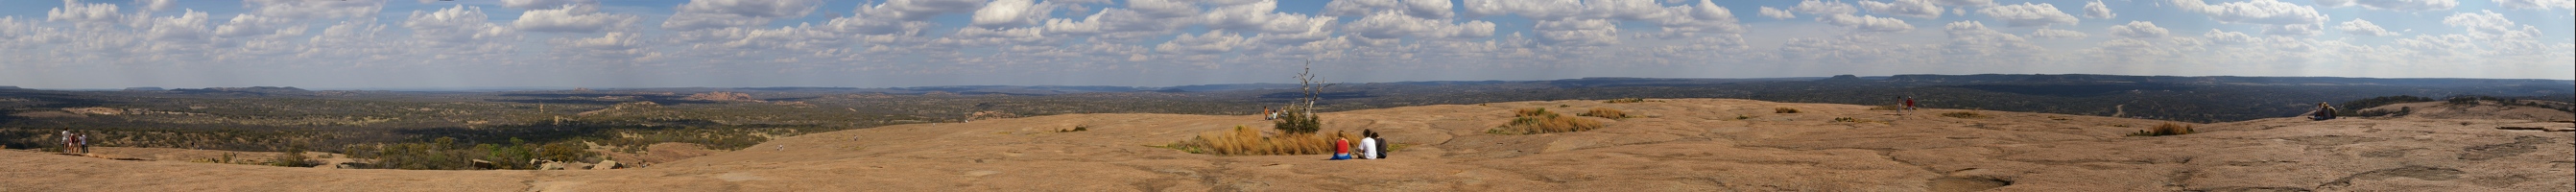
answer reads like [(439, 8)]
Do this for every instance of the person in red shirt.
[(1341, 148)]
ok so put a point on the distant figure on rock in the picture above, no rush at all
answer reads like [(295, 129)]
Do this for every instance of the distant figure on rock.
[(1269, 115), (68, 145), (1368, 145), (2322, 113), (84, 142)]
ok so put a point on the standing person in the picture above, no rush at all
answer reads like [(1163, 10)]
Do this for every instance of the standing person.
[(68, 145), (84, 142), (1909, 103), (1265, 110), (1368, 146)]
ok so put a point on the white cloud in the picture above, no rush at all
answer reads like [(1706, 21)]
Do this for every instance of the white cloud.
[(1824, 7), (1535, 10), (155, 5), (454, 24), (1702, 17), (1012, 13), (1909, 8), (253, 25), (2489, 24), (1427, 9), (1163, 8), (2537, 4), (2297, 29), (1387, 25), (1965, 3), (85, 14), (2255, 12), (2138, 30), (2028, 14), (2363, 28), (1972, 42), (612, 46), (2401, 5), (2096, 10), (187, 27), (706, 14), (572, 19), (2226, 37), (1867, 23), (306, 9), (1262, 17), (545, 4), (2046, 33), (1217, 41), (1582, 32), (1777, 13)]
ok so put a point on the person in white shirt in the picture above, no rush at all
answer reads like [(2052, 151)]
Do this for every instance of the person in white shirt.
[(1368, 145)]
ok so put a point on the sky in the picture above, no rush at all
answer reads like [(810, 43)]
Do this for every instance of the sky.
[(361, 44)]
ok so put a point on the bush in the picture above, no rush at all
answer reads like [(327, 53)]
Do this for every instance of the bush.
[(1626, 100), (2164, 130), (1784, 110), (1246, 141), (292, 157), (1606, 113), (1293, 121), (1076, 128), (1536, 121), (1964, 115)]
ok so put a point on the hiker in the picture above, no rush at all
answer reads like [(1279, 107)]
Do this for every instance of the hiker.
[(1368, 145), (1271, 115), (1341, 148), (1909, 103), (68, 145), (1381, 145), (2322, 113), (84, 142)]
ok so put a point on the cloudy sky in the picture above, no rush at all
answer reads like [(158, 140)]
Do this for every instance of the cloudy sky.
[(753, 43)]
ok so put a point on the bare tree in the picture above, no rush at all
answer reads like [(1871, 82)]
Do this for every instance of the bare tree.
[(1302, 118)]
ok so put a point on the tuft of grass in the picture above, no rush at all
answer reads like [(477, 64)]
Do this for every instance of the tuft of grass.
[(1076, 128), (291, 158), (1964, 115), (1536, 121), (1626, 100), (1247, 141), (1604, 112), (1742, 117), (1784, 110), (2164, 130)]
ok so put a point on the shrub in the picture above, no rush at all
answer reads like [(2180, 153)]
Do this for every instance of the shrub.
[(292, 157), (1294, 121), (1246, 141), (1964, 115), (1784, 110), (1076, 128), (1606, 113), (2164, 130), (1536, 121), (1626, 100)]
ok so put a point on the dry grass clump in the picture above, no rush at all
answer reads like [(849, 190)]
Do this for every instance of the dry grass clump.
[(1885, 108), (1626, 100), (2164, 130), (1604, 112), (1076, 128), (1536, 121), (1247, 141), (1784, 110), (1963, 114)]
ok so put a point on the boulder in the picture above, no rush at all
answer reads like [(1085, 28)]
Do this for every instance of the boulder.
[(605, 165), (550, 166)]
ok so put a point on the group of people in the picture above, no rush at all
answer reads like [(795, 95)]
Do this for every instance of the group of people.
[(2323, 112), (75, 142), (1370, 147)]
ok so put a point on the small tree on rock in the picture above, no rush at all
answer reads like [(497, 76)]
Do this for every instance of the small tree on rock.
[(1300, 117)]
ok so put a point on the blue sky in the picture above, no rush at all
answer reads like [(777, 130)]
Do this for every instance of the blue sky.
[(749, 43)]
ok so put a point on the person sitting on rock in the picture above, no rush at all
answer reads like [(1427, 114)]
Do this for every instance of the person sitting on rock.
[(1341, 148), (2322, 113), (1368, 146)]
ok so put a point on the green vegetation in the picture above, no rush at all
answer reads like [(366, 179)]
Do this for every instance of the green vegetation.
[(1784, 110), (2163, 130), (1604, 112), (1964, 115), (1539, 120), (293, 157)]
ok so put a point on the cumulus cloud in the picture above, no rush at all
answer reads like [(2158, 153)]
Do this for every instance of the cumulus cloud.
[(155, 5), (1867, 23), (1535, 10), (545, 4), (1777, 13), (706, 14), (187, 27), (1702, 17), (2401, 5), (2226, 37), (305, 9), (1909, 8), (2046, 33), (2255, 12), (2489, 24), (2295, 29), (2537, 4), (2138, 30), (1427, 9), (1163, 8), (1972, 38), (1387, 25), (2096, 10), (2363, 28), (1824, 7), (1263, 17), (1012, 13), (1578, 32), (1965, 3), (2028, 14), (574, 18), (454, 24), (85, 14), (243, 25)]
